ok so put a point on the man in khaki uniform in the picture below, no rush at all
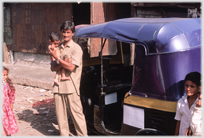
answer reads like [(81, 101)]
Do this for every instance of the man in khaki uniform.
[(67, 93)]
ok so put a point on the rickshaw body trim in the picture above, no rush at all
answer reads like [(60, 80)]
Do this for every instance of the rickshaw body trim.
[(162, 105)]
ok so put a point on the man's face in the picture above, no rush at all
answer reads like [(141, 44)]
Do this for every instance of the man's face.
[(191, 88), (67, 35)]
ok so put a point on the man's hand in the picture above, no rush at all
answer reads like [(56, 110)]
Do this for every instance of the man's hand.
[(188, 132)]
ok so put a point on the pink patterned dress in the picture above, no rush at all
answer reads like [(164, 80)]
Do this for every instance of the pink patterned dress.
[(9, 122)]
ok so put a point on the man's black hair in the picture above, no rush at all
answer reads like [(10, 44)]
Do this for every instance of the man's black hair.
[(54, 36), (194, 77), (67, 25)]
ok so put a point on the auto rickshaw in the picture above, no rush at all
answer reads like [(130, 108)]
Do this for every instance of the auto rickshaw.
[(121, 96)]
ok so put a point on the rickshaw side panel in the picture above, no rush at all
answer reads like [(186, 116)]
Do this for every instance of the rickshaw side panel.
[(161, 76)]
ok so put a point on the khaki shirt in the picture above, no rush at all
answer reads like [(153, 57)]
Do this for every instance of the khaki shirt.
[(74, 51)]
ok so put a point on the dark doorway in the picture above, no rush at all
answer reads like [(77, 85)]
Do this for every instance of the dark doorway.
[(81, 13), (123, 10)]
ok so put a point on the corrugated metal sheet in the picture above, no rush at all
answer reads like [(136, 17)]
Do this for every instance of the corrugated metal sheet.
[(33, 22), (7, 26)]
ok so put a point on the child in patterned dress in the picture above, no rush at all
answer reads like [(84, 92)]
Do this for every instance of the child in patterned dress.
[(9, 123)]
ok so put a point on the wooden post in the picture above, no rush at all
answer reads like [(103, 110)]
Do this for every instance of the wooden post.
[(6, 57), (100, 13)]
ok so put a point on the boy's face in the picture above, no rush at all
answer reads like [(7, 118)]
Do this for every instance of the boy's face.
[(67, 35), (191, 88), (54, 44)]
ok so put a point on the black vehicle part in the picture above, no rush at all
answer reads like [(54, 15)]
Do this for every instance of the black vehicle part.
[(102, 94), (105, 118)]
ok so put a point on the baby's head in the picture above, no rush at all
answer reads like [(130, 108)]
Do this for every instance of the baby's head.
[(54, 39), (192, 83)]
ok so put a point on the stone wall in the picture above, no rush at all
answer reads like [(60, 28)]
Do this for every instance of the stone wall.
[(30, 59)]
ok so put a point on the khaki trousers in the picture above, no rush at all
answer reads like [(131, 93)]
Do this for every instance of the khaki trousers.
[(73, 102)]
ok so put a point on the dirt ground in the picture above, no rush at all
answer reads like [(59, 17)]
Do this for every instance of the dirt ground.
[(35, 113)]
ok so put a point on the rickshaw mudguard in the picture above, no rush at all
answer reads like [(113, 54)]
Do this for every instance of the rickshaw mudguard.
[(149, 131)]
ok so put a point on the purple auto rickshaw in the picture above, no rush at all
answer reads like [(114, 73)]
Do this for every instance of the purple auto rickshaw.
[(138, 96)]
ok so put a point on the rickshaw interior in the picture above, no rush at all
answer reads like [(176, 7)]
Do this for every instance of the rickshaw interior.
[(117, 79)]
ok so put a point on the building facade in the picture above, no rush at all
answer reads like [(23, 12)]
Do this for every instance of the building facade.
[(28, 25)]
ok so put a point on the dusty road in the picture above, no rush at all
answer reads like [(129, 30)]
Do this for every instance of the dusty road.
[(35, 113)]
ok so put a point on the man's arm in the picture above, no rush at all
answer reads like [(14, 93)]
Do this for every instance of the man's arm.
[(64, 64), (67, 65)]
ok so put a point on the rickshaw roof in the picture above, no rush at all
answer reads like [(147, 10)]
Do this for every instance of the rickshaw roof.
[(165, 33)]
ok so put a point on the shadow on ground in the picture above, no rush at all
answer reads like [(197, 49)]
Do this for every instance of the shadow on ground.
[(43, 118)]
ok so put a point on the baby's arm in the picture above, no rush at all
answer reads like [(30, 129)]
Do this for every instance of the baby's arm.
[(58, 51), (51, 48), (54, 65)]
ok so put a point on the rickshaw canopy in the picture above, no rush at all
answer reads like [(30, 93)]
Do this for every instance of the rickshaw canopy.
[(167, 34)]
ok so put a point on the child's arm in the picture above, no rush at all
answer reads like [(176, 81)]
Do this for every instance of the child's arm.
[(4, 134), (11, 95), (177, 128), (11, 106), (51, 57)]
